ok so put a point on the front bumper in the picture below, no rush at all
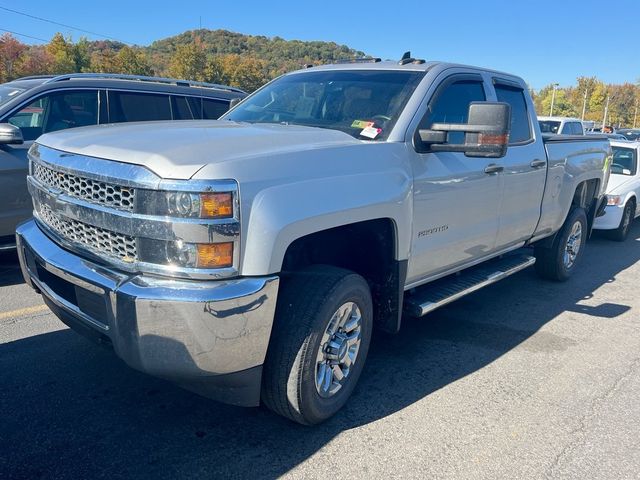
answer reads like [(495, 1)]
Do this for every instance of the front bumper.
[(210, 337), (611, 219)]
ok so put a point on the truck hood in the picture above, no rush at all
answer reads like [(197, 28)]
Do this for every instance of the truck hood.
[(618, 183), (178, 149)]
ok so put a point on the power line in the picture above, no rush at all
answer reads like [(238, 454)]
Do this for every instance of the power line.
[(23, 35), (60, 24)]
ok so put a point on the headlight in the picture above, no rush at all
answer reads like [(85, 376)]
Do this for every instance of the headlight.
[(186, 255), (207, 205), (613, 200)]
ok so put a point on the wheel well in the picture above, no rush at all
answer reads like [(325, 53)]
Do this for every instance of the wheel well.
[(367, 248), (586, 196)]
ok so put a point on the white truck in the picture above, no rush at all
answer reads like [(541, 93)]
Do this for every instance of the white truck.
[(249, 259), (561, 125), (623, 191)]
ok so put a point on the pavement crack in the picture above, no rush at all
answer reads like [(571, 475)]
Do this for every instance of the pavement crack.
[(579, 433)]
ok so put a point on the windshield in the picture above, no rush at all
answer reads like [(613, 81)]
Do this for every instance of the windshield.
[(7, 93), (631, 134), (624, 161), (364, 104), (549, 126)]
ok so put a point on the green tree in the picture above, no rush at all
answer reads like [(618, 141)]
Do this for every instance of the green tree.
[(132, 62), (80, 55), (62, 52), (189, 62), (597, 102), (104, 61), (247, 73)]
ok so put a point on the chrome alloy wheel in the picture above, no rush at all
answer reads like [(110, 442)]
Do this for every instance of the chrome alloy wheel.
[(338, 350), (574, 242)]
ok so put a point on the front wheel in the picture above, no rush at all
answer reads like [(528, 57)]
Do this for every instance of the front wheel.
[(319, 343), (559, 261), (620, 233)]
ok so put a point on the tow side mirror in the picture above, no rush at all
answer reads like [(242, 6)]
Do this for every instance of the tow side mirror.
[(10, 134), (486, 133)]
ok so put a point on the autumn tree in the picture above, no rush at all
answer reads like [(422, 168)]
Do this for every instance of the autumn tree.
[(11, 51), (189, 62), (133, 62), (63, 55), (245, 72)]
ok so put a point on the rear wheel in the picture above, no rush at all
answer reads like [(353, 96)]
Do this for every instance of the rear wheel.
[(559, 261), (319, 343), (620, 233)]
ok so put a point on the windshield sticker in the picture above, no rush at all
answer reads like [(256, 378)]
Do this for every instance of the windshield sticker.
[(371, 132), (361, 124)]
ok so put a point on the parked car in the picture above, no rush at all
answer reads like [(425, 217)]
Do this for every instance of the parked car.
[(249, 259), (561, 125), (623, 191), (630, 133), (32, 106)]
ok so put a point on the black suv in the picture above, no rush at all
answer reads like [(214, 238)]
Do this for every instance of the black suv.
[(37, 105)]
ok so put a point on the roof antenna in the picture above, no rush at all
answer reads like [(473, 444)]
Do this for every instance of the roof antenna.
[(406, 58)]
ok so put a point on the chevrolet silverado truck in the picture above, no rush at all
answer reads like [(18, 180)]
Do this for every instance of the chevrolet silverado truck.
[(248, 259)]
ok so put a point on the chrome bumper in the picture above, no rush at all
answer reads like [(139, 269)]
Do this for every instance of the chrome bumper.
[(210, 337)]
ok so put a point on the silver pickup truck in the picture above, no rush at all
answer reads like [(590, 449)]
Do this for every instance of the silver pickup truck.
[(249, 259)]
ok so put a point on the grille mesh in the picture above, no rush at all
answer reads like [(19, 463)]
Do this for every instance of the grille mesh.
[(90, 190), (102, 241)]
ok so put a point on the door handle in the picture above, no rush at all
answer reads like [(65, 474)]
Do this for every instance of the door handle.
[(493, 168), (538, 163)]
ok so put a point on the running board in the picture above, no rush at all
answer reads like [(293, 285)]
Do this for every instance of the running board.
[(434, 295)]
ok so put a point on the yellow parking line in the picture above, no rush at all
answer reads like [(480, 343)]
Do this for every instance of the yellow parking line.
[(21, 312)]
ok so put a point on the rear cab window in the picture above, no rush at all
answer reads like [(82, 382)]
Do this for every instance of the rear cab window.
[(520, 124)]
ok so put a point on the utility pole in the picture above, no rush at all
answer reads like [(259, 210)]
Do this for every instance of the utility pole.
[(635, 115), (606, 110), (553, 98), (584, 103)]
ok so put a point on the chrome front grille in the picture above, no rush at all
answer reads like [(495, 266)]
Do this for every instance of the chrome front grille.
[(94, 191), (96, 239)]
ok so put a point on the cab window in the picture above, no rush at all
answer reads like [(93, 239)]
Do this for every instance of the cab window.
[(57, 111), (451, 105), (520, 126)]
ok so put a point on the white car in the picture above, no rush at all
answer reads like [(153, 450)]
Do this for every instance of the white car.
[(561, 125), (623, 190)]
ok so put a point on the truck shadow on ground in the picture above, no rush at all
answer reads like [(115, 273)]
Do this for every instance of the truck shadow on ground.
[(10, 273), (75, 411)]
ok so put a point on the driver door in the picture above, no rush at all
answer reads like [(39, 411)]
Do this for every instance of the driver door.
[(456, 198)]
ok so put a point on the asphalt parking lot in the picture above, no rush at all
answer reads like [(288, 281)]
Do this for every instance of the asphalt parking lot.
[(524, 379)]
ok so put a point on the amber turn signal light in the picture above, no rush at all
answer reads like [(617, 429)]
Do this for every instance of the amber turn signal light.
[(215, 255), (216, 205)]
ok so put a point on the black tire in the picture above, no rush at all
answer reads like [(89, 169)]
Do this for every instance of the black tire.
[(306, 303), (550, 261), (620, 233)]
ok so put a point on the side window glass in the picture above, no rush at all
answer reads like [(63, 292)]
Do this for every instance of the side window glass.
[(566, 129), (57, 111), (520, 127), (30, 119), (138, 107), (451, 105), (213, 109), (577, 129), (181, 109)]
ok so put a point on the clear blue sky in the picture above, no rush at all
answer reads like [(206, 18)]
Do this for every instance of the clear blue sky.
[(543, 41)]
